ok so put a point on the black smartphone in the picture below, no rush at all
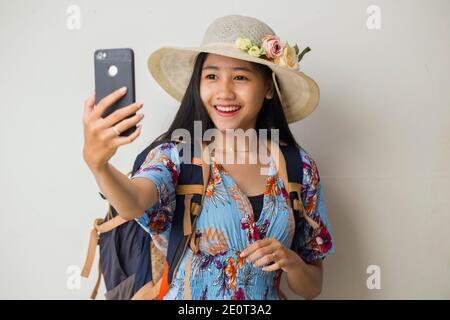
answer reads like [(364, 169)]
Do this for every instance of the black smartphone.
[(114, 68)]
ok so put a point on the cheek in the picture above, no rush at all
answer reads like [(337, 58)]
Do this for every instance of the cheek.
[(205, 94), (254, 103)]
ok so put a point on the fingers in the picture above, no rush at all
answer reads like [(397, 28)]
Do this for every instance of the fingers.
[(264, 252), (120, 141), (256, 245), (264, 260), (259, 253), (280, 264), (121, 114), (101, 141), (266, 256), (124, 125), (107, 101), (89, 106), (273, 261)]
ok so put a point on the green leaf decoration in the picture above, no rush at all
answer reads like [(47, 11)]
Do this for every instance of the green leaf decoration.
[(300, 56)]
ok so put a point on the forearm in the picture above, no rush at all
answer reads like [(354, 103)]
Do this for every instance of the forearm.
[(118, 189), (305, 279)]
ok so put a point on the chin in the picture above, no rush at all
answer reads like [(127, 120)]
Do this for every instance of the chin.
[(223, 127)]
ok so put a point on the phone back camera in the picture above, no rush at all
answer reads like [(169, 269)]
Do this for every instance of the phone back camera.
[(112, 71)]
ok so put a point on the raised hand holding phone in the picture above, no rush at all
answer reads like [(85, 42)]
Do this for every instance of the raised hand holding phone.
[(101, 138)]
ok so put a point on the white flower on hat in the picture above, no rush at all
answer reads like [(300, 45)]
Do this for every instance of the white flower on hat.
[(243, 43), (256, 51)]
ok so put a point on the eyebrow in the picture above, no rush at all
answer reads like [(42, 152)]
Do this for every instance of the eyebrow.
[(235, 68)]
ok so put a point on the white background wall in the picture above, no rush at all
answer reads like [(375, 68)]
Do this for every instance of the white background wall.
[(380, 136)]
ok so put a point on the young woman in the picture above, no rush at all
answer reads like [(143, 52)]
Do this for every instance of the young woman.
[(241, 77)]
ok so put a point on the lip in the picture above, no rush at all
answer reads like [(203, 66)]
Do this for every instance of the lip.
[(227, 114)]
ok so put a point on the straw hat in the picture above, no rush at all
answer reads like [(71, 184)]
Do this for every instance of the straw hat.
[(248, 39)]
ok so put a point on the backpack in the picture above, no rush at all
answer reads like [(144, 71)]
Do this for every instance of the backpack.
[(134, 268)]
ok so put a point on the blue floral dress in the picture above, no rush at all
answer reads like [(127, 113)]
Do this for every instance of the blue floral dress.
[(226, 227)]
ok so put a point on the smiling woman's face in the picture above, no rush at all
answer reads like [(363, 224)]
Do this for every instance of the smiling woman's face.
[(233, 92)]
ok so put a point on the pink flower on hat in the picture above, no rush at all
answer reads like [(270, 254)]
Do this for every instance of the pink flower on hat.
[(273, 46)]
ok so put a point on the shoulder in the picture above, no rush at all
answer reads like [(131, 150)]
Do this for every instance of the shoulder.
[(164, 155), (163, 150)]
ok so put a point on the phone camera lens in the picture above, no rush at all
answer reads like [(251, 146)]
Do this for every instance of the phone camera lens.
[(101, 55), (112, 71)]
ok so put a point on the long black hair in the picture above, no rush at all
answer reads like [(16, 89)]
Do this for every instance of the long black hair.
[(271, 115)]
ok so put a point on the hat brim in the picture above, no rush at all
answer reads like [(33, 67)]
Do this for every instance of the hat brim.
[(172, 68)]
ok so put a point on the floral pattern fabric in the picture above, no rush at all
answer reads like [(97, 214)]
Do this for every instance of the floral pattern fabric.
[(226, 226)]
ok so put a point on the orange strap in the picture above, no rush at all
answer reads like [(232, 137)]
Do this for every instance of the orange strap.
[(206, 157), (187, 226), (189, 189), (99, 227), (197, 161), (196, 208), (93, 242), (110, 224), (187, 278), (97, 282), (193, 243), (164, 286)]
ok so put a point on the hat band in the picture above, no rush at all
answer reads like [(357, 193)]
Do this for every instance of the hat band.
[(274, 78)]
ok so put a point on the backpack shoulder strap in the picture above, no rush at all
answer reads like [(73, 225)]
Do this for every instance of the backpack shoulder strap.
[(190, 186), (289, 163), (280, 154), (190, 193), (193, 240), (295, 186), (290, 169), (294, 173)]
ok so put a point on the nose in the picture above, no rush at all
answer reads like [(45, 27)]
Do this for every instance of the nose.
[(225, 90)]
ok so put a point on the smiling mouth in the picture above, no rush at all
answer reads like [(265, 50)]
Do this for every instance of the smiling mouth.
[(227, 110)]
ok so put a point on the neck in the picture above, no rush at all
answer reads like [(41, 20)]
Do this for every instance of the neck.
[(233, 144)]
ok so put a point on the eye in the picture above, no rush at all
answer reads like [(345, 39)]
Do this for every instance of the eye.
[(210, 76)]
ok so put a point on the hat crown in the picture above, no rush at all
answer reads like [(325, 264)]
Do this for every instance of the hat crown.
[(227, 29)]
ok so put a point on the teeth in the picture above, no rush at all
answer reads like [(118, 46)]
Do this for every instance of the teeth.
[(227, 109)]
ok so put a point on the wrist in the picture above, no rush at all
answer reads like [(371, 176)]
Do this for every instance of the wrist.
[(295, 261), (99, 169)]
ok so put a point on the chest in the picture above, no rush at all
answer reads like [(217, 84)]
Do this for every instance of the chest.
[(250, 178)]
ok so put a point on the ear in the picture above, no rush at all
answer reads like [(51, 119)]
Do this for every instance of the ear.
[(269, 89)]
